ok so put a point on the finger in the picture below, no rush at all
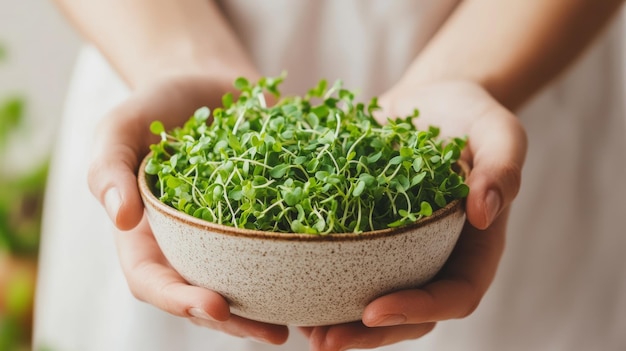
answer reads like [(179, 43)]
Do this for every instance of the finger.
[(152, 280), (123, 138), (458, 289), (245, 328), (356, 335), (497, 144), (306, 331), (118, 146)]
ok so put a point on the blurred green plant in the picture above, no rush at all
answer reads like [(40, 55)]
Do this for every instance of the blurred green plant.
[(11, 112), (21, 199), (20, 212)]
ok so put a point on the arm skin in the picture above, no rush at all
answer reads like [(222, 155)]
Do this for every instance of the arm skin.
[(148, 39), (512, 48), (489, 58)]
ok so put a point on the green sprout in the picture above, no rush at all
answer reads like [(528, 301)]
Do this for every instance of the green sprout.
[(316, 164)]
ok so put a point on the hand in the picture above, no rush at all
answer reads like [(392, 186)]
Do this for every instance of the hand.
[(496, 152), (152, 280), (122, 141)]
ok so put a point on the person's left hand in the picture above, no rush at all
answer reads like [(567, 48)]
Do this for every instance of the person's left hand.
[(496, 152)]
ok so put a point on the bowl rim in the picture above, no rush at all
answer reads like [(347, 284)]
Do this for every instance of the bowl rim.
[(150, 200)]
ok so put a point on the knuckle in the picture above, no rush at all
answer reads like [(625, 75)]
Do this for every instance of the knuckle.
[(136, 286), (334, 340), (470, 309), (471, 305), (423, 329), (337, 337), (144, 286), (429, 327), (167, 302), (94, 172), (103, 171), (511, 175), (136, 292)]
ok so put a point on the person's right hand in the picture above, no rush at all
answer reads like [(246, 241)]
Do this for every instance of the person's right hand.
[(122, 141)]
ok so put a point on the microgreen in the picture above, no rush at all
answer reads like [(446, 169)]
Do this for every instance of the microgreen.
[(318, 163)]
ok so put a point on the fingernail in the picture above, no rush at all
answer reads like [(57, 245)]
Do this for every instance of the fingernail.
[(493, 203), (112, 202), (200, 313), (392, 319)]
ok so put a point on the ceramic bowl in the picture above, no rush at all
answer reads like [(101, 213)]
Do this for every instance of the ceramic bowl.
[(301, 279)]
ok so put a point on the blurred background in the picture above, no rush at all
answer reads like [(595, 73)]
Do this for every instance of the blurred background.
[(37, 51)]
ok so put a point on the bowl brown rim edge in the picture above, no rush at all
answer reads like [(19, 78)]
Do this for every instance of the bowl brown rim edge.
[(151, 200)]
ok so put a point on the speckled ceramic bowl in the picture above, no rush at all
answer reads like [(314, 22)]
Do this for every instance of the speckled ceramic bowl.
[(300, 279)]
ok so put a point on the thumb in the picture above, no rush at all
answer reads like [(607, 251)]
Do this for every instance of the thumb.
[(119, 145), (497, 145)]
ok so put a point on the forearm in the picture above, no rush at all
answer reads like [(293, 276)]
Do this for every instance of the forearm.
[(146, 40), (512, 48)]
